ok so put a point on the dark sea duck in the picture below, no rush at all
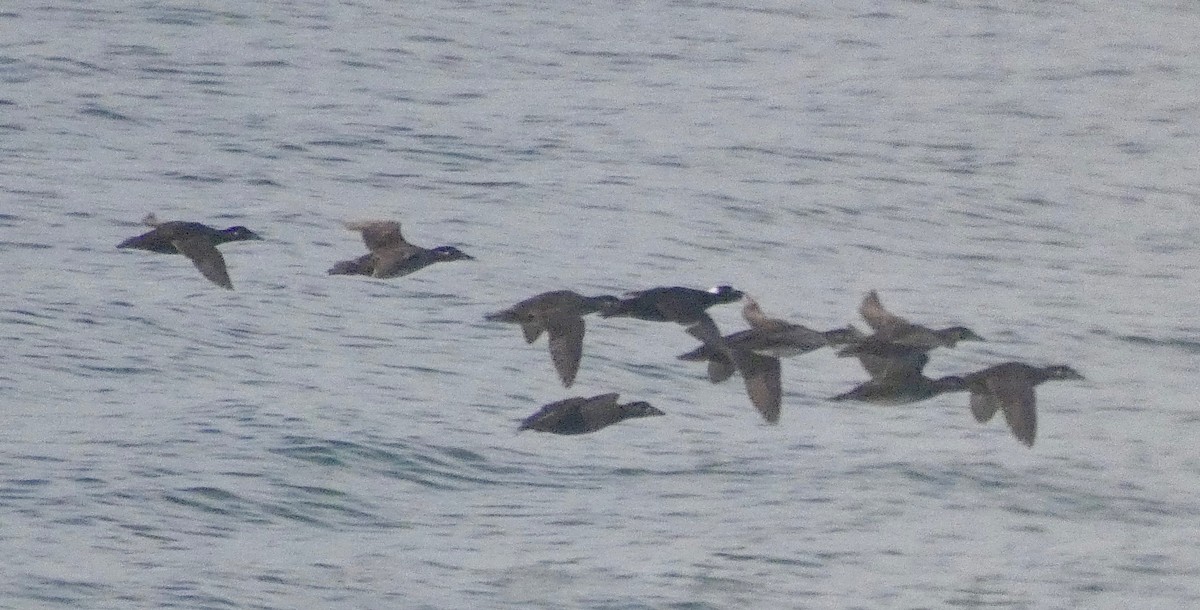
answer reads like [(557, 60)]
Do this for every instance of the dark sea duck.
[(194, 240), (581, 415), (686, 306), (1009, 387), (902, 382), (559, 314), (895, 337), (757, 351), (389, 254)]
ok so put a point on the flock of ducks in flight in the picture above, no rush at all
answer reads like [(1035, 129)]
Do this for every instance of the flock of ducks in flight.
[(894, 355)]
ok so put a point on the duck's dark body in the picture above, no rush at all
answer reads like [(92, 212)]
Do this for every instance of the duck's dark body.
[(581, 415), (903, 381), (686, 306), (903, 390), (670, 304), (390, 255), (1009, 387), (560, 314), (195, 240)]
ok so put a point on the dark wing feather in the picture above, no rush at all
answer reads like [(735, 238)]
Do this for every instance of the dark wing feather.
[(154, 241), (1017, 398), (206, 257), (532, 330), (379, 234), (720, 368), (879, 318), (566, 346), (983, 406), (363, 265), (762, 377)]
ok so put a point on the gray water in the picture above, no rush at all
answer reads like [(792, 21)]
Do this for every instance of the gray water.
[(1029, 169)]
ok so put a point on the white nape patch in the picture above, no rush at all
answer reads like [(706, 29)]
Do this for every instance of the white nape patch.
[(715, 290)]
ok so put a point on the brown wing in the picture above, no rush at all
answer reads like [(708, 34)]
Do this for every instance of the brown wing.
[(363, 265), (754, 316), (1014, 394), (1020, 411), (601, 401), (566, 346), (379, 234), (878, 318), (206, 257), (532, 330), (720, 368), (762, 377), (600, 411), (983, 406)]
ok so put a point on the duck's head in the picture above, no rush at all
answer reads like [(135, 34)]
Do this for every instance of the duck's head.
[(1061, 371), (954, 334), (604, 302), (450, 253), (639, 408), (240, 233)]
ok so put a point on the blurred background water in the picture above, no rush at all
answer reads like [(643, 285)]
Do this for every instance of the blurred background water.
[(1029, 169)]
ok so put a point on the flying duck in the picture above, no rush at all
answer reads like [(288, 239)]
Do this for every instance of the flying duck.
[(1009, 387), (581, 415), (560, 314), (677, 304), (895, 338), (194, 240), (756, 351), (389, 254)]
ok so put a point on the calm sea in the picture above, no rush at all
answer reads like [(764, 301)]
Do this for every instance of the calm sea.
[(1028, 169)]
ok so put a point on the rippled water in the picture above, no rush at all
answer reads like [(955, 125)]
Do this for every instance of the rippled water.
[(1029, 169)]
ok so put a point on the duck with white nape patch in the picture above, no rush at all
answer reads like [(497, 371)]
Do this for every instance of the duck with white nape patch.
[(686, 306)]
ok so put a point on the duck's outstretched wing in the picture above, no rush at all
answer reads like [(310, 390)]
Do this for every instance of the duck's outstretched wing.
[(879, 318), (206, 257), (566, 346), (763, 383), (379, 234)]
